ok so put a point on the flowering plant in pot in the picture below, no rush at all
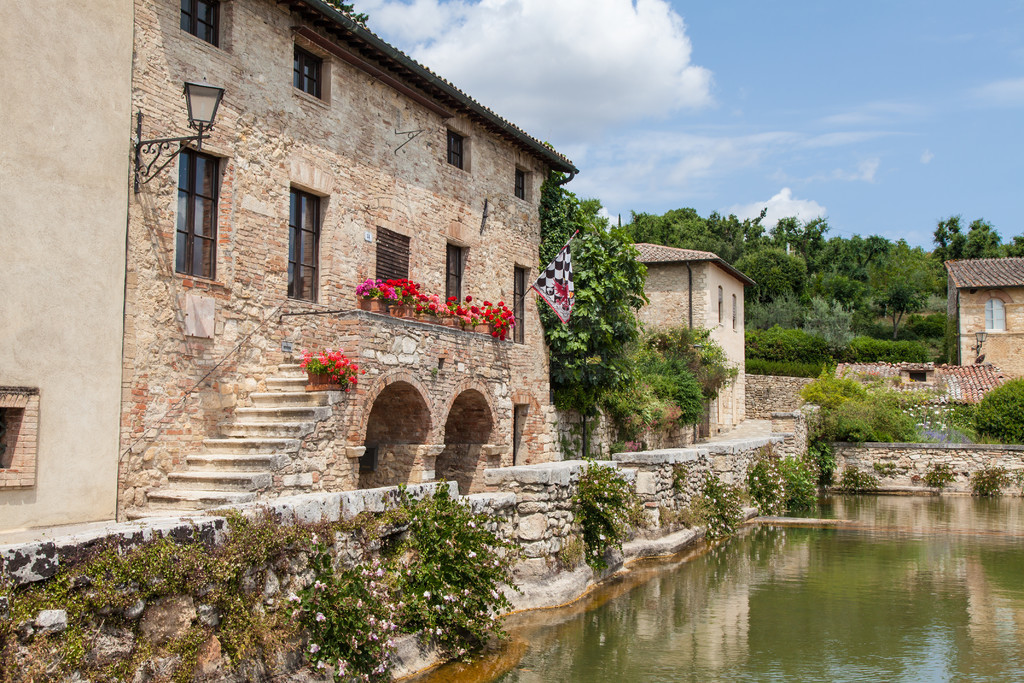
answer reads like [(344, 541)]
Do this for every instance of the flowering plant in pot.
[(499, 317), (374, 294), (330, 369), (430, 305), (406, 293)]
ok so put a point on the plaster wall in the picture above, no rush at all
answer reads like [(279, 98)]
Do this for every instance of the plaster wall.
[(1002, 348), (346, 149), (730, 407), (64, 172)]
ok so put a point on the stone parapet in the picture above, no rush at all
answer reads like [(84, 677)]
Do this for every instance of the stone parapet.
[(767, 394)]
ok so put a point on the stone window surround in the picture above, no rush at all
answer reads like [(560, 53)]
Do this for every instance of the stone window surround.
[(190, 156), (467, 147), (22, 435), (308, 47)]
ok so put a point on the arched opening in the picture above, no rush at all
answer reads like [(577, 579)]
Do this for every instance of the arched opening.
[(467, 433), (396, 430)]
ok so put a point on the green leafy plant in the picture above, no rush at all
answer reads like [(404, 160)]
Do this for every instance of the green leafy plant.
[(680, 475), (854, 481), (820, 454), (886, 470), (766, 483), (939, 475), (999, 413), (800, 478), (604, 506), (758, 366), (719, 508), (990, 481)]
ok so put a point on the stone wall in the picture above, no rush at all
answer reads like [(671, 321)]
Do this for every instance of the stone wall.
[(793, 428), (767, 394), (912, 461)]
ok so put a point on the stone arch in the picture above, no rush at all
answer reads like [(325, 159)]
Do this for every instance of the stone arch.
[(468, 431), (1001, 295), (396, 432)]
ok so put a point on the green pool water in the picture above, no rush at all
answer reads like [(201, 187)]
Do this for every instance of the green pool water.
[(920, 589)]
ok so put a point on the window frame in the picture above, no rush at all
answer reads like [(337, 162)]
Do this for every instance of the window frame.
[(519, 188), (456, 149), (453, 278), (520, 276), (300, 79), (296, 229), (194, 22), (993, 306), (184, 264), (393, 244)]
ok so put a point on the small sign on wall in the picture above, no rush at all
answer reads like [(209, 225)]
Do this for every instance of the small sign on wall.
[(200, 314)]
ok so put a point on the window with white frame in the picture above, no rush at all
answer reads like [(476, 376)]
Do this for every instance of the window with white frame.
[(995, 315)]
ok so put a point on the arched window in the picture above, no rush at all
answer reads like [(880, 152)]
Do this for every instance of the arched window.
[(995, 315), (721, 304)]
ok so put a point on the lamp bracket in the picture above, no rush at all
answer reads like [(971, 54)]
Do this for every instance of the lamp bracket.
[(156, 148)]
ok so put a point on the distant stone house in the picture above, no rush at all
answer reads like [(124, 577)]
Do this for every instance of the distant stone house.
[(951, 383), (699, 289), (987, 295), (334, 158)]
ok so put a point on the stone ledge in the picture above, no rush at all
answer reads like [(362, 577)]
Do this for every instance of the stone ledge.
[(483, 502), (933, 446), (558, 473), (741, 445), (664, 456)]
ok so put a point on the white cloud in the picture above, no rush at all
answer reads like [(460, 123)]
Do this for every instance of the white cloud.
[(781, 205), (564, 69), (874, 113), (1009, 92), (927, 156)]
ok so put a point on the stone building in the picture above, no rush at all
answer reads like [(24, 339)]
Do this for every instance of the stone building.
[(949, 383), (987, 295), (699, 289), (334, 158), (64, 154)]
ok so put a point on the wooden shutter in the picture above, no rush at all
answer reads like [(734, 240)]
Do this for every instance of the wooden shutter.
[(392, 255)]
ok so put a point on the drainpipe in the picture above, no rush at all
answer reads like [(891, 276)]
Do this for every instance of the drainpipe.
[(566, 179)]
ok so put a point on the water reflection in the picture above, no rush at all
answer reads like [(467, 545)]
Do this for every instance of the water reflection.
[(922, 589)]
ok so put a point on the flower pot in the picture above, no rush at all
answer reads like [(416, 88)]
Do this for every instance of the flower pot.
[(483, 328), (451, 322), (364, 303), (322, 383), (373, 305), (403, 311)]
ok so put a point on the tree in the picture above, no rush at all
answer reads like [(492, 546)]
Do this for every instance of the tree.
[(830, 321), (982, 241), (949, 240), (349, 9), (901, 282), (775, 272), (1015, 248), (807, 239), (588, 356)]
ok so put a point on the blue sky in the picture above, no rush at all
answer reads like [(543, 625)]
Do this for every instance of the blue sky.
[(883, 116)]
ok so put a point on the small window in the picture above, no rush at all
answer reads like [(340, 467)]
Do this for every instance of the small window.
[(195, 249), (721, 304), (455, 262), (201, 18), (519, 304), (306, 74), (734, 311), (392, 255), (995, 315), (19, 427), (455, 149), (918, 376), (303, 245), (519, 413), (521, 183)]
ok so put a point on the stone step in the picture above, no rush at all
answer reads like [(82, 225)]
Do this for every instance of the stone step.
[(281, 384), (286, 413), (279, 430), (221, 481), (146, 513), (221, 462), (285, 368), (189, 499), (302, 398), (239, 445)]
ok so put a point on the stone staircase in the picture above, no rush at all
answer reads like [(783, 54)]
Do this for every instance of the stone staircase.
[(257, 441)]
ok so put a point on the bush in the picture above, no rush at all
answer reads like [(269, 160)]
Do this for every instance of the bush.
[(868, 350), (766, 483), (999, 414), (830, 392), (800, 480), (778, 344), (989, 481), (939, 476), (605, 505), (927, 326), (820, 454), (853, 481), (757, 366), (719, 508), (877, 418)]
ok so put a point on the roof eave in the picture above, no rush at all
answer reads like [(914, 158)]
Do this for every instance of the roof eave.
[(553, 159), (718, 261)]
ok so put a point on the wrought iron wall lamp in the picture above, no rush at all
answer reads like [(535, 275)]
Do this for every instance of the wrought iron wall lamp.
[(202, 100)]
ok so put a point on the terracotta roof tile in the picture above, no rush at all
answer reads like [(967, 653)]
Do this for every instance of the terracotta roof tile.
[(960, 383), (658, 253), (987, 272)]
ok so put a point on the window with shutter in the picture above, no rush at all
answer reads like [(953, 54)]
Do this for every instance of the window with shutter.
[(453, 269)]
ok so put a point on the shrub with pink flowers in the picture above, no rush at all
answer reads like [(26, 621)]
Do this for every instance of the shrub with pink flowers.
[(334, 364)]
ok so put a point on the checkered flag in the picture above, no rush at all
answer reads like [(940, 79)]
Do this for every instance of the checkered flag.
[(555, 284)]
